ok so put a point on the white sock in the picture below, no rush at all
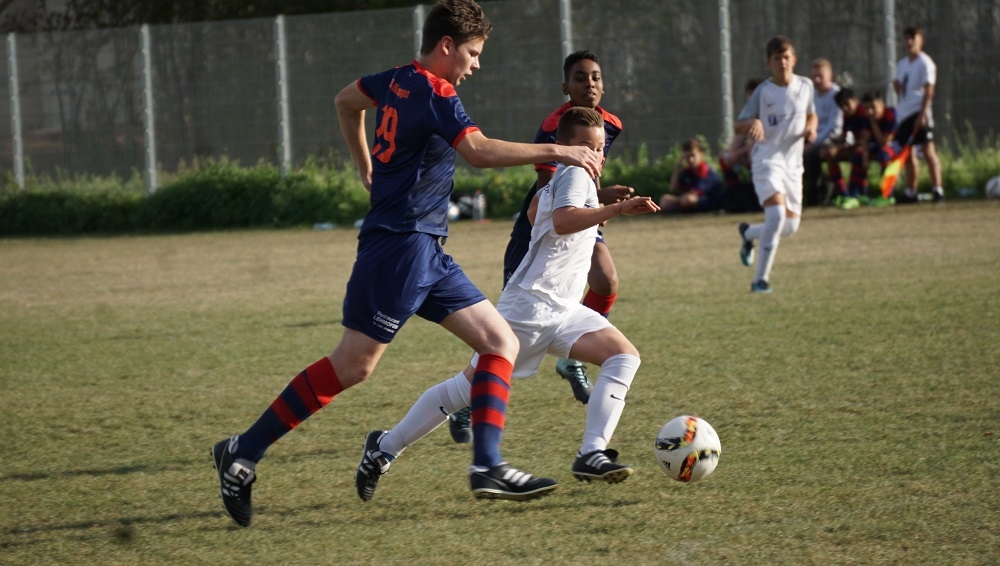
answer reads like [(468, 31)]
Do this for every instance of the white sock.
[(607, 401), (910, 192), (938, 190), (791, 226), (774, 220), (429, 412)]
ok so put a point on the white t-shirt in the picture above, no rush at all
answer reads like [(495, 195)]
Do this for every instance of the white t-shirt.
[(831, 118), (782, 110), (913, 76), (557, 265)]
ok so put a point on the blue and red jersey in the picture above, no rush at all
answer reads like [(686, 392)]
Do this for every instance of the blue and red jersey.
[(419, 121), (547, 131), (859, 122), (702, 179)]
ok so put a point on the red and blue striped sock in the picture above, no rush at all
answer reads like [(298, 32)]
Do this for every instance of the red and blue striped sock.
[(490, 392), (308, 392)]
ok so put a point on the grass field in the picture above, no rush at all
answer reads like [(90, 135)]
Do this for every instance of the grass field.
[(858, 406)]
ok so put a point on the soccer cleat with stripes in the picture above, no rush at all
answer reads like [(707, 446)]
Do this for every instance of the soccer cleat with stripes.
[(504, 482), (761, 287), (235, 481), (373, 466), (601, 465), (746, 248)]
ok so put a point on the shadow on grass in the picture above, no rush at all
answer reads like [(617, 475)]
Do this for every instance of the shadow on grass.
[(179, 465)]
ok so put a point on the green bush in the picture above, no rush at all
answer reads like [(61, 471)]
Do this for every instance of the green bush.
[(220, 194)]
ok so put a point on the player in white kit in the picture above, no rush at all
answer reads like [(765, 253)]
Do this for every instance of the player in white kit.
[(780, 116), (541, 302)]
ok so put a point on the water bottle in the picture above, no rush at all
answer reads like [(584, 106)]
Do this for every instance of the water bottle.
[(479, 206)]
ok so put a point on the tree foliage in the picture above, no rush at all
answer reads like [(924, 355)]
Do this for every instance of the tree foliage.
[(45, 15)]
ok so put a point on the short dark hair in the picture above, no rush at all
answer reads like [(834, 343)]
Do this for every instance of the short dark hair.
[(779, 44), (691, 145), (843, 95), (913, 31), (462, 20), (577, 116), (576, 57), (752, 84), (871, 96)]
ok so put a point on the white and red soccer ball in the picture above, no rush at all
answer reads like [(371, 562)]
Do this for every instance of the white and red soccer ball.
[(687, 448)]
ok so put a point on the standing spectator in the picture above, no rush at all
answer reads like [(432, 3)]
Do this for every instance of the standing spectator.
[(694, 186), (830, 125), (916, 75)]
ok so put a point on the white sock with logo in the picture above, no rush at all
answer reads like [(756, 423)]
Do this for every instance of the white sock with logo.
[(607, 401), (774, 220), (430, 411)]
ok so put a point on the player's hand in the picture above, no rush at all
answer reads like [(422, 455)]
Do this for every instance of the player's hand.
[(756, 131), (810, 133), (592, 161), (638, 205), (613, 194)]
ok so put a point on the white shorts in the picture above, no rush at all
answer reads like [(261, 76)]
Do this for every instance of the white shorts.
[(543, 328), (771, 178)]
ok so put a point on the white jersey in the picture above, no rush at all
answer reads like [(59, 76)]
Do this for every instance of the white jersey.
[(914, 76), (782, 111), (556, 266)]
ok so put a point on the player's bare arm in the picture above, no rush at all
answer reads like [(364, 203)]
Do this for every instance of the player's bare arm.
[(570, 219), (614, 194), (482, 152), (351, 104), (924, 106), (812, 125), (752, 128)]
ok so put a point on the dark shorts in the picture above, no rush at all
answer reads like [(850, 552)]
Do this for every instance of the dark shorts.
[(905, 129), (709, 202), (398, 275)]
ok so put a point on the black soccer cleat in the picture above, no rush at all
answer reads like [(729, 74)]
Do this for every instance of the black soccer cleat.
[(746, 248), (504, 482), (235, 481), (575, 373), (458, 425), (601, 465), (373, 466)]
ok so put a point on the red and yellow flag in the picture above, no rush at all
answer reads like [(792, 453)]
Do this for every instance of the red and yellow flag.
[(892, 169)]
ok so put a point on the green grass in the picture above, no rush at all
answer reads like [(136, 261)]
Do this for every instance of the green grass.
[(858, 406)]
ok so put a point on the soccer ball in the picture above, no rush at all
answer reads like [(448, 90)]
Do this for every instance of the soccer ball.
[(687, 449), (992, 188)]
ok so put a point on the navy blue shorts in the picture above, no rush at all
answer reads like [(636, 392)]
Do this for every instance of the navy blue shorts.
[(397, 275)]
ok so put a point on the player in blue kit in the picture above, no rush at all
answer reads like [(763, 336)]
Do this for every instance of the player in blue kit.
[(401, 269)]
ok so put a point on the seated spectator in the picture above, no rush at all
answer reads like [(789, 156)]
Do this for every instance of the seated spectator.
[(872, 126), (694, 186), (734, 164), (831, 120)]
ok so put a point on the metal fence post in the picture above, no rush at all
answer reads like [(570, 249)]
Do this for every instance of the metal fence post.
[(726, 71), (281, 68), (418, 28), (148, 117), (566, 26), (15, 109), (889, 30)]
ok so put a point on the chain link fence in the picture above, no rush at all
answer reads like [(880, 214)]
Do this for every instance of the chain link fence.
[(78, 104)]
